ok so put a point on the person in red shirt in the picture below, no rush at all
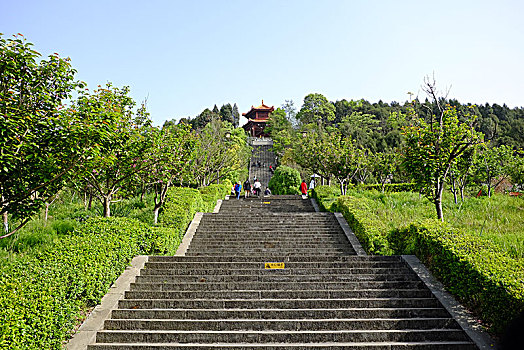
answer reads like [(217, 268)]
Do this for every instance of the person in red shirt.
[(303, 188)]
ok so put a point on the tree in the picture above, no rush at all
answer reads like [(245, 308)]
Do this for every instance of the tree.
[(215, 156), (236, 116), (170, 155), (40, 143), (433, 146), (286, 180), (316, 110), (460, 172), (494, 165), (281, 130), (289, 107), (124, 153), (226, 113), (384, 165)]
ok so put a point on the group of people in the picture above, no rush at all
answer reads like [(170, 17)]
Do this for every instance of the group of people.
[(255, 190), (304, 188)]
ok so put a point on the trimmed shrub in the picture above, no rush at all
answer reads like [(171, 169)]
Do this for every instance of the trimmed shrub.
[(165, 240), (471, 268), (210, 194), (370, 233), (325, 196), (181, 205), (43, 295), (285, 180)]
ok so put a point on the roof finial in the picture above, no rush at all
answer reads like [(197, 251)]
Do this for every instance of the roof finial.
[(262, 102)]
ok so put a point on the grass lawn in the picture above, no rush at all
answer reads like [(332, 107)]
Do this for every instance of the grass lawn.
[(499, 219)]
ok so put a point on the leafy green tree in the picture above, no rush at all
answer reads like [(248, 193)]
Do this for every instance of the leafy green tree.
[(289, 107), (494, 165), (226, 113), (461, 172), (236, 116), (285, 180), (433, 147), (316, 109), (384, 166), (219, 151), (360, 127), (170, 155), (40, 143), (124, 153), (281, 130)]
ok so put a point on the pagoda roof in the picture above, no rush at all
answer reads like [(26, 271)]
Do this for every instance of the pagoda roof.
[(262, 107)]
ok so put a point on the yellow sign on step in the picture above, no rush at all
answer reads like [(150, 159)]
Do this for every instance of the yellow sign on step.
[(275, 266), (266, 202)]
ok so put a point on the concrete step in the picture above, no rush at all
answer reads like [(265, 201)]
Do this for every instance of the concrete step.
[(200, 283), (282, 325), (143, 293), (293, 272), (441, 345), (299, 262), (277, 303), (357, 261), (276, 314), (260, 337)]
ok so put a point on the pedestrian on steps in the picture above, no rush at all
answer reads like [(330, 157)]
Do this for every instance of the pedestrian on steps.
[(247, 188), (303, 189), (258, 187), (238, 188)]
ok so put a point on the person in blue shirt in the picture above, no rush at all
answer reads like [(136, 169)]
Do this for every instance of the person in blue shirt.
[(238, 188)]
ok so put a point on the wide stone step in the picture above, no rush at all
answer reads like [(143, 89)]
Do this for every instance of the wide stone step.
[(282, 325), (276, 250), (258, 337), (331, 313), (365, 260), (199, 283), (268, 245), (277, 303), (437, 345), (143, 293), (259, 264), (302, 272)]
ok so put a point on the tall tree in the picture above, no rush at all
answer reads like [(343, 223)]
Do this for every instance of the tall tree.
[(226, 113), (40, 143), (316, 109), (433, 146), (236, 116)]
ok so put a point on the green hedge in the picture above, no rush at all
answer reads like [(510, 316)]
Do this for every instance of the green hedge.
[(325, 196), (181, 205), (369, 231), (471, 268), (285, 180), (210, 194), (43, 294)]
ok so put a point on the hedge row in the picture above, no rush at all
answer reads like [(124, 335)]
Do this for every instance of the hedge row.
[(42, 295), (472, 269), (210, 194)]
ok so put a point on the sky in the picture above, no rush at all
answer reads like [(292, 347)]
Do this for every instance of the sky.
[(185, 56)]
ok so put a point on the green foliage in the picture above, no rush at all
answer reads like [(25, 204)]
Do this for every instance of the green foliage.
[(316, 109), (369, 231), (285, 180), (488, 281), (210, 194), (400, 187), (180, 207), (43, 295), (325, 196)]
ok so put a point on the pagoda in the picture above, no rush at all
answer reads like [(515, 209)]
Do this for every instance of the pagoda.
[(257, 118)]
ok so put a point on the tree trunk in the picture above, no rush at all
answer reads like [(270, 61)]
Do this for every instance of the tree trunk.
[(107, 206), (454, 190), (155, 211), (462, 193), (6, 222), (438, 202), (46, 211)]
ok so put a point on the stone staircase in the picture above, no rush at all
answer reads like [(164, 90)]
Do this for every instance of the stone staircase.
[(271, 273), (263, 156)]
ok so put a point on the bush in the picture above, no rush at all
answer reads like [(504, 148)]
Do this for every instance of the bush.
[(210, 194), (165, 240), (181, 205), (42, 295), (325, 196), (285, 180), (369, 231), (471, 268)]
